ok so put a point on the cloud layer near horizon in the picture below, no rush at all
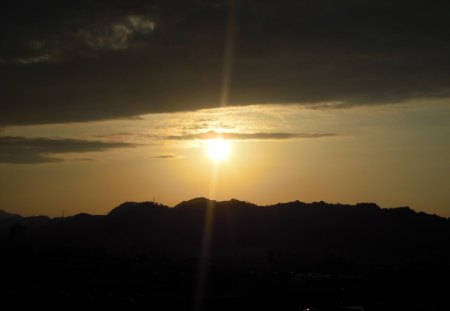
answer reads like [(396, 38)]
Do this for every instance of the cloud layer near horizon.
[(92, 60), (247, 136), (36, 150)]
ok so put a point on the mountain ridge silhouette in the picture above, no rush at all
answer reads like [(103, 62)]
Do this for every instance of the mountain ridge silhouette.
[(242, 231), (5, 214), (283, 255), (203, 202)]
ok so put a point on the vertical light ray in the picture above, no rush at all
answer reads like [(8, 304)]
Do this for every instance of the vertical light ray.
[(202, 275), (209, 214), (229, 52)]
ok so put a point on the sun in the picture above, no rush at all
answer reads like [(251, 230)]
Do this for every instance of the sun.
[(217, 149)]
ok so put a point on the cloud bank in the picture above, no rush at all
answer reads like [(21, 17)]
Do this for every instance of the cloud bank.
[(85, 61)]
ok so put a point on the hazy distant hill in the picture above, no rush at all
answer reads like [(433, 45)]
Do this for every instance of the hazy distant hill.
[(4, 215), (286, 233)]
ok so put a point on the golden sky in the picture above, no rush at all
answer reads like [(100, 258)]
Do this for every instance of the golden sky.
[(394, 155), (340, 101)]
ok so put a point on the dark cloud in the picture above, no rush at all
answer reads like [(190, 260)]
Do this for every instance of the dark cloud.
[(89, 60), (37, 150), (247, 136)]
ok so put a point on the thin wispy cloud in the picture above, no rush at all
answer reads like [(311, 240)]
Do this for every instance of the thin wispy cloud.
[(166, 156), (115, 35), (247, 136), (118, 35), (34, 59)]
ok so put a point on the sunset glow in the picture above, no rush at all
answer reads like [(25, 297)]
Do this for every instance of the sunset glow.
[(175, 100), (241, 155)]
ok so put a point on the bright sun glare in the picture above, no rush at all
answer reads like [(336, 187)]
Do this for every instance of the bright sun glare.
[(218, 149)]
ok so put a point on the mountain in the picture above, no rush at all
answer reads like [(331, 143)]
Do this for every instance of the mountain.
[(288, 233), (278, 257), (4, 215)]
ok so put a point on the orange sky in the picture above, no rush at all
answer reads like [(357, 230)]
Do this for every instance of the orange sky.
[(394, 155)]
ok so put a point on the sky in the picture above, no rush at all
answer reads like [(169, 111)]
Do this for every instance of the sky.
[(110, 101)]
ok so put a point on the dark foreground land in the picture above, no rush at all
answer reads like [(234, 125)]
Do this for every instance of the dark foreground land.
[(57, 281), (283, 257)]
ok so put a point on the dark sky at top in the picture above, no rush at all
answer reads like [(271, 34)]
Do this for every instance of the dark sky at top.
[(64, 61)]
